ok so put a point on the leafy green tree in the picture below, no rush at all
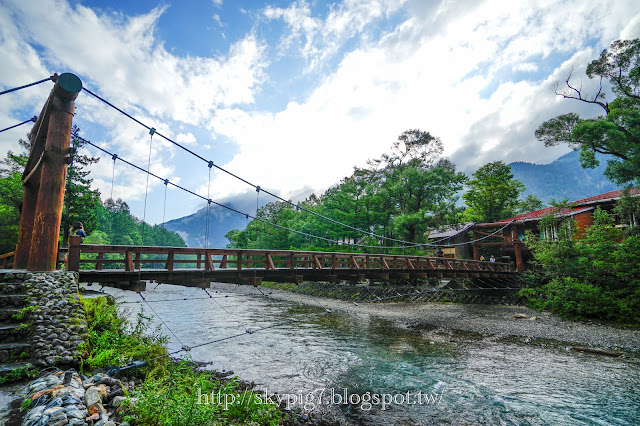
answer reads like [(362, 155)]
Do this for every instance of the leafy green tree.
[(80, 201), (11, 193), (628, 209), (595, 276), (530, 204), (399, 196), (617, 131), (493, 193)]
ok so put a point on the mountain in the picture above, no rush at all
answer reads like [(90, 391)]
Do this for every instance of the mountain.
[(192, 228), (563, 178)]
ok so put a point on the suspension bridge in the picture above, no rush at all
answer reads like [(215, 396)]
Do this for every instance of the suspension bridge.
[(130, 266)]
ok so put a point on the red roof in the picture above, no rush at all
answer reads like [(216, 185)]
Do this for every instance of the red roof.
[(611, 195), (579, 206)]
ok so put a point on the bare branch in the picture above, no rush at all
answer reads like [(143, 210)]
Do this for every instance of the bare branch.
[(575, 93)]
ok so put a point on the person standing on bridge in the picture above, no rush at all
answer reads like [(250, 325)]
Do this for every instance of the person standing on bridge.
[(440, 255), (492, 259), (78, 229)]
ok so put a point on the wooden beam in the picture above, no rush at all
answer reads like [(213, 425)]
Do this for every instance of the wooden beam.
[(46, 225), (516, 249), (208, 262), (128, 261), (269, 263), (169, 265), (73, 263), (384, 262)]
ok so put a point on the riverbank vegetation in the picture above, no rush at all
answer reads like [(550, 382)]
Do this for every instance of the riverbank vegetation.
[(169, 392), (590, 277)]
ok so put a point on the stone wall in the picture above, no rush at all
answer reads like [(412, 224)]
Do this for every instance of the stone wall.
[(59, 322), (399, 293), (45, 316)]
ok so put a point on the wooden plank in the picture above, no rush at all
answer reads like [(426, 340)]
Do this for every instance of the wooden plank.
[(137, 262), (239, 260), (410, 264)]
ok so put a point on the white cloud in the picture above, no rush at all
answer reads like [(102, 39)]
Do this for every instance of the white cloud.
[(186, 138), (415, 77), (447, 68), (323, 38)]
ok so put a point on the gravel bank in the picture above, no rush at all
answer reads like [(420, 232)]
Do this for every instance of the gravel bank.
[(495, 321)]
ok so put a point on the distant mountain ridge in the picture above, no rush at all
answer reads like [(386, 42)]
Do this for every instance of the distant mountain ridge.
[(563, 178), (192, 228)]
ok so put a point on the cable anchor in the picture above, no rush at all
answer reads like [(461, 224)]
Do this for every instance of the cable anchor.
[(152, 131)]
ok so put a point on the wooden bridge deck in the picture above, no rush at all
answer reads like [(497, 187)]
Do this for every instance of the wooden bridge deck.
[(124, 266)]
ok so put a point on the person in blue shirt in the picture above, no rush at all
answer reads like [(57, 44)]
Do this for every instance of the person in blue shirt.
[(78, 229)]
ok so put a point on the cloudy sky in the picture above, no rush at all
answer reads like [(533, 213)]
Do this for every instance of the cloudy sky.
[(292, 95)]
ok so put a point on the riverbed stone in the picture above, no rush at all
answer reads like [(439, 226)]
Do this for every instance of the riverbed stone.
[(117, 401), (92, 396)]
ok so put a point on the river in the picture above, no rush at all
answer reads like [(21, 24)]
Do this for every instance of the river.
[(393, 373)]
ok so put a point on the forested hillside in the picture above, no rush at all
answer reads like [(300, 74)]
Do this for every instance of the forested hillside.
[(563, 178)]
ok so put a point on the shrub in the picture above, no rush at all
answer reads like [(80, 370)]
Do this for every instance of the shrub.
[(115, 342)]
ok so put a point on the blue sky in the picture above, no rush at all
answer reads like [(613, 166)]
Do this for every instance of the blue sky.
[(292, 94)]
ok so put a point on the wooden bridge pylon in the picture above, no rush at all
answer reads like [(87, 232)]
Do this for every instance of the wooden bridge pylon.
[(44, 178)]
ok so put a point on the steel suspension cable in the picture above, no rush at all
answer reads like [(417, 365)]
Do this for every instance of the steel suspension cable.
[(257, 187), (113, 173), (146, 191), (164, 323), (26, 85), (206, 235), (275, 224), (164, 207), (31, 120)]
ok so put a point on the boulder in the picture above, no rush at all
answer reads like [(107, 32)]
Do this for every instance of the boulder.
[(92, 396)]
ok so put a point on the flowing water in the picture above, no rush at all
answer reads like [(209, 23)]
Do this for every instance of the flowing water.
[(392, 374)]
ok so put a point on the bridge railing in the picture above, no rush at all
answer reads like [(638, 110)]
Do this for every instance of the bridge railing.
[(133, 258), (7, 260)]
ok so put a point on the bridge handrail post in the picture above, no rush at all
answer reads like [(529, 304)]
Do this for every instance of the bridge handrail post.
[(73, 261)]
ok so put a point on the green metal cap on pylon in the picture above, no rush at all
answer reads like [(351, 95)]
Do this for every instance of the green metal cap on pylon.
[(68, 86)]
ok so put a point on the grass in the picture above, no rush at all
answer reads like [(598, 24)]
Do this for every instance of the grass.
[(171, 394), (113, 341), (181, 395)]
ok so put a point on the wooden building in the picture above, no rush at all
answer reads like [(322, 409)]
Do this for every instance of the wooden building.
[(509, 233)]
